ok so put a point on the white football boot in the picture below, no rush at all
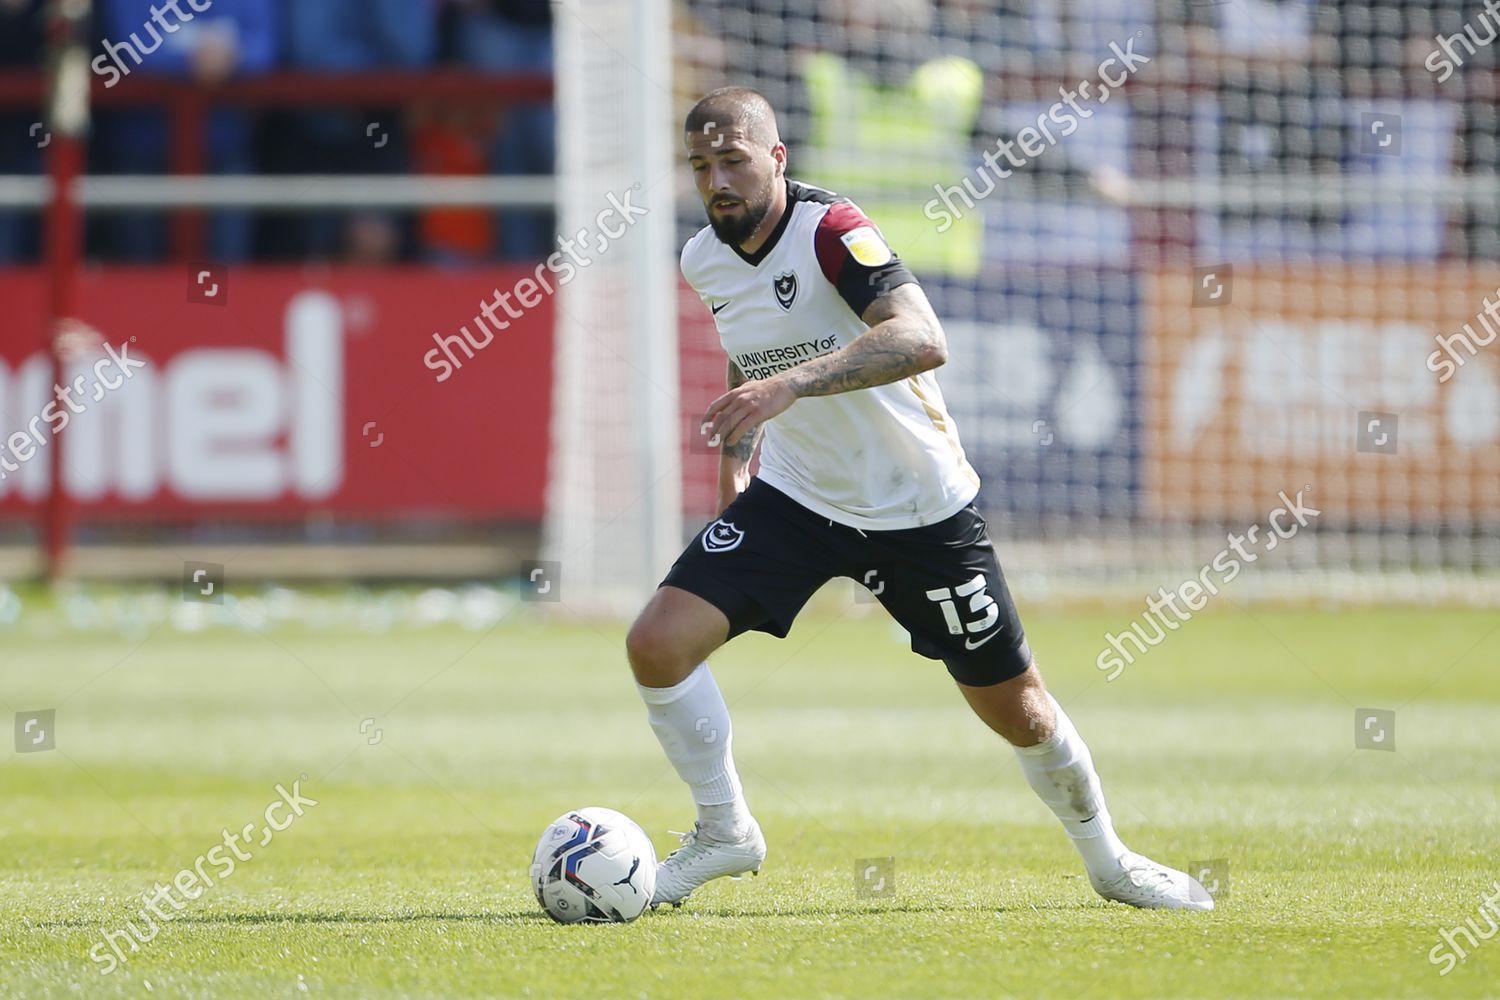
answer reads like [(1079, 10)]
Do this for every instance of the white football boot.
[(699, 860), (1144, 883)]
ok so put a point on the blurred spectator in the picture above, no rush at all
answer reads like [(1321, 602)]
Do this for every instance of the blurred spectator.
[(350, 36), (370, 239), (1433, 61), (1264, 29), (1019, 36), (22, 24), (515, 36), (1383, 45), (229, 38), (1043, 210), (453, 141), (887, 121), (1280, 106), (1278, 111)]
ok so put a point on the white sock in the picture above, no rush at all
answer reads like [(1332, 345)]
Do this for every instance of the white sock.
[(1062, 773), (692, 723)]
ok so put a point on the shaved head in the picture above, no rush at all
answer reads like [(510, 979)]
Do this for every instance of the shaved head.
[(735, 109)]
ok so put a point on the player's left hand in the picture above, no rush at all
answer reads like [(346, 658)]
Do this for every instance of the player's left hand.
[(744, 407)]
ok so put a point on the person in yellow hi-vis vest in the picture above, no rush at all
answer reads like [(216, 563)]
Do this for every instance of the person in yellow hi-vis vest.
[(884, 146)]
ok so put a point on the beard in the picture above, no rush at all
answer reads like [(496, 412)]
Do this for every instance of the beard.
[(737, 229)]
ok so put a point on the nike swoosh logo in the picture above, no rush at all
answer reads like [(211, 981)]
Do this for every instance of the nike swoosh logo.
[(970, 644), (715, 309)]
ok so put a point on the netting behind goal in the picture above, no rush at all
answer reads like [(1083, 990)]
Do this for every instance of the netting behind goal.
[(1197, 263)]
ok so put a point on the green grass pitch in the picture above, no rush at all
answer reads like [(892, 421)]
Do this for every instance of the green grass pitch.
[(1233, 741)]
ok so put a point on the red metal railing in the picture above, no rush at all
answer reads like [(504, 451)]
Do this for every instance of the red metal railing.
[(188, 104)]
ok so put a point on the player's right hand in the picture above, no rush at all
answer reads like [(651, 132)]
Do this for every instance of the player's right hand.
[(745, 407)]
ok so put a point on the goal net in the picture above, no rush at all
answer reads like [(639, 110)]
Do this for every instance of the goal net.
[(1208, 271)]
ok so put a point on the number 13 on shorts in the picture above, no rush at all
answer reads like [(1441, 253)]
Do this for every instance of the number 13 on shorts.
[(980, 603)]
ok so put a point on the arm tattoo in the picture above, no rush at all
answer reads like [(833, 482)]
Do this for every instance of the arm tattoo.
[(741, 451), (904, 339)]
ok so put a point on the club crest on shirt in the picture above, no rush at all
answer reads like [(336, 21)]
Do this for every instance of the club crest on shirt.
[(785, 286), (721, 536)]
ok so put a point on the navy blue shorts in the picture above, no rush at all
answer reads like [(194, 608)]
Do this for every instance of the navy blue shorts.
[(762, 559)]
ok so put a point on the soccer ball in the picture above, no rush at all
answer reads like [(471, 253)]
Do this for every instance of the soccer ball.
[(594, 865)]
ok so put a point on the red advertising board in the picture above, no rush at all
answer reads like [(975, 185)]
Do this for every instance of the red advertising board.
[(280, 392)]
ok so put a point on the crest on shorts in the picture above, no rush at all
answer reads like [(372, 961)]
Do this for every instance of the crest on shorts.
[(785, 285), (721, 536)]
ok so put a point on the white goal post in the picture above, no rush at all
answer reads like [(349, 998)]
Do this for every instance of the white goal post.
[(614, 498)]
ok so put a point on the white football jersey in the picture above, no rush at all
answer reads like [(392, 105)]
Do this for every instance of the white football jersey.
[(882, 458)]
